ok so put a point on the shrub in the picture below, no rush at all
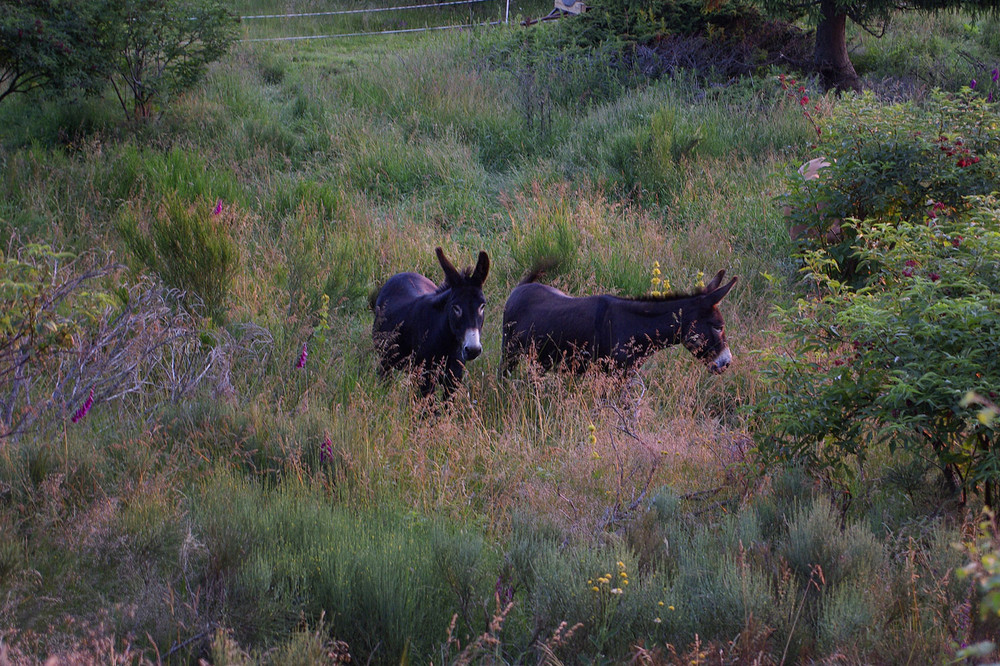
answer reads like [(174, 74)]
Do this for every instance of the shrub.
[(375, 575), (889, 364), (815, 537), (188, 247), (893, 162), (646, 21)]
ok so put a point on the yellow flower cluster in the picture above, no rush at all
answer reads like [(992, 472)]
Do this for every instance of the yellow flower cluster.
[(607, 579), (658, 286), (657, 619)]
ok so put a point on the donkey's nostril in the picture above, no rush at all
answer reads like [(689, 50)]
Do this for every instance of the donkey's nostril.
[(472, 352), (721, 362)]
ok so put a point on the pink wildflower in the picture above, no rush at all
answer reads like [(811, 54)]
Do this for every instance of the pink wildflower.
[(87, 404), (301, 363), (326, 450), (934, 277), (218, 208)]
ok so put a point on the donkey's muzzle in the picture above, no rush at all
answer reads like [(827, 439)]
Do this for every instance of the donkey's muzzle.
[(719, 364), (471, 347)]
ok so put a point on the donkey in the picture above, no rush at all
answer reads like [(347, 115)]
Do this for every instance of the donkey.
[(618, 333), (433, 329)]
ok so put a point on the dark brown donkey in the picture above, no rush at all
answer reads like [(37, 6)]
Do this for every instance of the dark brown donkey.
[(620, 332), (433, 329)]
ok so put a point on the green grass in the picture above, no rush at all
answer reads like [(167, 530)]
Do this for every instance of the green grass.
[(207, 520)]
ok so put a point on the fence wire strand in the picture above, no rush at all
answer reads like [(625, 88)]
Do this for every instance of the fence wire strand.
[(341, 12)]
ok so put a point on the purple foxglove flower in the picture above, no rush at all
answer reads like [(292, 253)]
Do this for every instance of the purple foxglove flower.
[(301, 363), (218, 207), (88, 403)]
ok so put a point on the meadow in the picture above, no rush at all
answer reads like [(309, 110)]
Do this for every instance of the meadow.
[(224, 476)]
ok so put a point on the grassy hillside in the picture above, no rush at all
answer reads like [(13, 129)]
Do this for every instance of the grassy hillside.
[(217, 501)]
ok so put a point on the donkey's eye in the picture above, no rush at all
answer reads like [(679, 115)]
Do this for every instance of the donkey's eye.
[(457, 309), (482, 309)]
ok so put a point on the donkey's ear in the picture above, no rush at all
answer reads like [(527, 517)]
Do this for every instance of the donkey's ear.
[(482, 269), (715, 282), (451, 274), (717, 295)]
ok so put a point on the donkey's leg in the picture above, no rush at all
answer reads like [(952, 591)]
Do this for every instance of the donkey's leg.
[(451, 377), (510, 352)]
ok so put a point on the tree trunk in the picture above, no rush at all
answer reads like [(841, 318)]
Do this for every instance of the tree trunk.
[(831, 59)]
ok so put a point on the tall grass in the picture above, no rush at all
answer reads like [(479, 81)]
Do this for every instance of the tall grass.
[(279, 509)]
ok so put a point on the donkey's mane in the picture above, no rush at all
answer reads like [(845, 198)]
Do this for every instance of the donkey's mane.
[(672, 296), (465, 273)]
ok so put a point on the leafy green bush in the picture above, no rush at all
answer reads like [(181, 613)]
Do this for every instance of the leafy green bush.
[(889, 364), (188, 246), (888, 162)]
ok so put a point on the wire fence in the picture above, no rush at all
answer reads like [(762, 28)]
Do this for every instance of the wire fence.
[(432, 9)]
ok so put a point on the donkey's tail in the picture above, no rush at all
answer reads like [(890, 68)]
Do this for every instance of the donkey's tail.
[(541, 267)]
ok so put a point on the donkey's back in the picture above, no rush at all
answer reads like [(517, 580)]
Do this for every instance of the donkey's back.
[(556, 326)]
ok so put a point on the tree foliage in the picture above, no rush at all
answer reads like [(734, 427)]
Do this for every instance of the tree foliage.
[(161, 47), (148, 50), (50, 43)]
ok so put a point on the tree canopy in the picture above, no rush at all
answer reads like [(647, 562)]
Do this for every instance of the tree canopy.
[(49, 43), (831, 59)]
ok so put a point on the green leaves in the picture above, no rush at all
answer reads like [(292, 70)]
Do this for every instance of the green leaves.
[(890, 362), (161, 47), (149, 50), (49, 43), (888, 163)]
